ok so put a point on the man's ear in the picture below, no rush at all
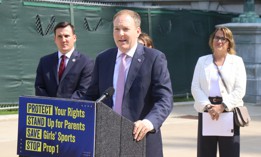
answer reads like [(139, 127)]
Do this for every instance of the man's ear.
[(138, 31)]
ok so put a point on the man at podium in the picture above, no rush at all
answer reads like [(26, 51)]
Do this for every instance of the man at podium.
[(141, 80)]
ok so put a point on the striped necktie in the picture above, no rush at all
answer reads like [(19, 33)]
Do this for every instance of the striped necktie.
[(61, 67)]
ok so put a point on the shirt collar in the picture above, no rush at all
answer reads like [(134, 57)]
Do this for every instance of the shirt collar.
[(68, 54), (129, 53)]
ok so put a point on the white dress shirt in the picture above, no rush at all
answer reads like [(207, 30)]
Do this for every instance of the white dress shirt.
[(129, 57)]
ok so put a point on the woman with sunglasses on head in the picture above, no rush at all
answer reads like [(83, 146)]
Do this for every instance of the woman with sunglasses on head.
[(218, 86)]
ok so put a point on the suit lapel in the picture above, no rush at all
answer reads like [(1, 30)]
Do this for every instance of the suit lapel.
[(135, 66), (208, 67), (227, 66), (107, 70), (110, 69)]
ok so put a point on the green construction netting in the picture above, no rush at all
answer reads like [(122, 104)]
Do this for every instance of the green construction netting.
[(26, 35)]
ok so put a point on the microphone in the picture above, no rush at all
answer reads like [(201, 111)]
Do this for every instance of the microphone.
[(107, 93)]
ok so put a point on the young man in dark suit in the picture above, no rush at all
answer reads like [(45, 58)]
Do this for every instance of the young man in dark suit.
[(68, 77), (146, 96)]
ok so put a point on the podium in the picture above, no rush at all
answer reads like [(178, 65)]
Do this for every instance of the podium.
[(52, 127)]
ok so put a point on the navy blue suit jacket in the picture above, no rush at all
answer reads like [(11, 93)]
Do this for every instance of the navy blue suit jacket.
[(148, 92), (74, 82)]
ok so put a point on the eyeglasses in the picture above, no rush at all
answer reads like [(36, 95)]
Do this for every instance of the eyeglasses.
[(222, 39)]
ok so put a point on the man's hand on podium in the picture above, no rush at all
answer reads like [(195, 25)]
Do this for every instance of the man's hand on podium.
[(141, 128)]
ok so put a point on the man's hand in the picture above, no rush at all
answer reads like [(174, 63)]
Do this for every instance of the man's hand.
[(141, 128)]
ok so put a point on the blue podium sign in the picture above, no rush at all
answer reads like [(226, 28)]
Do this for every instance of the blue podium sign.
[(51, 127)]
